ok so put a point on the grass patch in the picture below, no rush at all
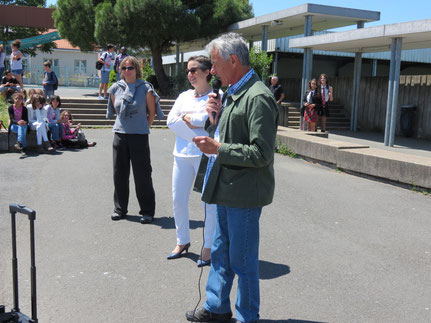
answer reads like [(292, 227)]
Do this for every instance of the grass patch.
[(416, 189), (283, 150), (4, 115)]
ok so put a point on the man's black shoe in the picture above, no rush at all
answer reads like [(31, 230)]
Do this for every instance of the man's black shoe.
[(116, 216), (146, 219), (202, 315)]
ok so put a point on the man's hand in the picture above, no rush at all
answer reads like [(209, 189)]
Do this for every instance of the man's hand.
[(206, 144), (213, 105)]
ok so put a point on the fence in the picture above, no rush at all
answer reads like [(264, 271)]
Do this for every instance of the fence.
[(373, 95), (66, 77)]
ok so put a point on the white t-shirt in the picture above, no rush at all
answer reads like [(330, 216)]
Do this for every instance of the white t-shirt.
[(107, 57)]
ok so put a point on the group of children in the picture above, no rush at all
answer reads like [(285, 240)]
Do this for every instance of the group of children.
[(54, 128)]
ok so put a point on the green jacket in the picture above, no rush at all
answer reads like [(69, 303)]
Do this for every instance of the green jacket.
[(243, 173)]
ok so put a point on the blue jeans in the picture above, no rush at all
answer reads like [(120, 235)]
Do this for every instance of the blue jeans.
[(56, 129), (48, 93), (21, 131), (235, 250)]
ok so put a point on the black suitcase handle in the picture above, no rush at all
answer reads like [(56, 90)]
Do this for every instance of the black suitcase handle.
[(14, 209), (17, 208)]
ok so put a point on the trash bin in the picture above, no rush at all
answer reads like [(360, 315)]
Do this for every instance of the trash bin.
[(407, 119)]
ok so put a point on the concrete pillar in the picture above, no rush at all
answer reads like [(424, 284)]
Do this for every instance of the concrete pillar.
[(264, 37), (275, 65), (396, 86), (390, 93), (356, 86), (306, 63), (374, 68), (356, 89), (177, 59)]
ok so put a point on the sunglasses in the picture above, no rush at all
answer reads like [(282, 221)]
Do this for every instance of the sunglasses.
[(193, 70), (129, 68)]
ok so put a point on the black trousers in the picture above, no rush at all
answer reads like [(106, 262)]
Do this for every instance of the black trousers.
[(133, 148)]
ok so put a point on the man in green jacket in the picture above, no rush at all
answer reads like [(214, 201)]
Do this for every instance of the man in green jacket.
[(239, 179)]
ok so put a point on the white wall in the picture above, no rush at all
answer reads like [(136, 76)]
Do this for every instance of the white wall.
[(65, 71)]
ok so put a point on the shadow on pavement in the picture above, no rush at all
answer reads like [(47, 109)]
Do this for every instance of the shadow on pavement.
[(288, 321), (270, 270)]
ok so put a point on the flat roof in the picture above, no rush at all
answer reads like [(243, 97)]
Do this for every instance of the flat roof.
[(290, 22), (415, 35)]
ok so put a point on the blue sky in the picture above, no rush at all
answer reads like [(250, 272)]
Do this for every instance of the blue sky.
[(391, 11)]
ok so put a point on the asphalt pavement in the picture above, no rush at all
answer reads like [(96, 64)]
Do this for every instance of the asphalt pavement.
[(334, 247)]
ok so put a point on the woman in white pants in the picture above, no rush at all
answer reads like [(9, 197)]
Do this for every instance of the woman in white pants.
[(187, 119), (36, 121)]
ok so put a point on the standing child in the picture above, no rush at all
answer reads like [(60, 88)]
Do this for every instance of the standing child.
[(49, 80), (36, 117), (16, 61), (105, 59), (53, 118), (18, 120)]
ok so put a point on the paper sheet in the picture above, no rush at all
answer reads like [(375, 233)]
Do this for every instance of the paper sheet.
[(182, 130)]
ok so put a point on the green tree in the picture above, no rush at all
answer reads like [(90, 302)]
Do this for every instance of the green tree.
[(152, 24), (8, 33), (261, 62)]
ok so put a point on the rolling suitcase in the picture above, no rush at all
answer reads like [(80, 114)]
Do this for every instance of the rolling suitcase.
[(15, 314)]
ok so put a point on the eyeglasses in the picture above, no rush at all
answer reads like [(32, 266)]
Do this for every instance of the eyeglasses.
[(129, 68), (193, 70)]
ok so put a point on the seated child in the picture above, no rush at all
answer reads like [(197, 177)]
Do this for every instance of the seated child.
[(36, 118), (31, 92), (73, 137), (52, 120), (18, 120)]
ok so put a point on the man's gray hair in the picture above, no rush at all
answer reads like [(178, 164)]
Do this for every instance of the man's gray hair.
[(230, 44)]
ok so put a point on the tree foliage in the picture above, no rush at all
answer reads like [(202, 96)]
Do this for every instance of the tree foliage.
[(8, 33), (261, 62), (152, 24)]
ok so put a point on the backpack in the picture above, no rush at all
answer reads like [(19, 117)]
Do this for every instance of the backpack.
[(98, 64), (55, 85)]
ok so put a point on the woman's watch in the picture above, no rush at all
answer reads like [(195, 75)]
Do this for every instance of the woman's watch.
[(183, 116)]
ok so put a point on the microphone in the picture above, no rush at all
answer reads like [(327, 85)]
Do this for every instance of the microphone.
[(216, 89)]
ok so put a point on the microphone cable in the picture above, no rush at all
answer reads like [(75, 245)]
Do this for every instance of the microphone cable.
[(202, 267)]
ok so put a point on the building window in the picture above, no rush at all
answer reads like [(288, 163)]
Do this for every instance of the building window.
[(80, 66), (54, 62)]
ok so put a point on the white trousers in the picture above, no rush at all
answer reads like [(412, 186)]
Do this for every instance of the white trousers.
[(183, 176), (40, 131)]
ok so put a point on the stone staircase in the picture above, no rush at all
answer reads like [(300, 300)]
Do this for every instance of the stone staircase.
[(338, 120), (91, 112)]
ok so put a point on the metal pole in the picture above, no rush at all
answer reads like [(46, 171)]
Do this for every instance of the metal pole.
[(33, 274), (395, 91), (14, 265), (306, 62), (390, 93), (264, 38)]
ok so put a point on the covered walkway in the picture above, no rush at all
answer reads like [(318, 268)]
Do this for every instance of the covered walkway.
[(394, 37)]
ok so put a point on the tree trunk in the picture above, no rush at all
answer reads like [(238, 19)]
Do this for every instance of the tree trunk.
[(158, 69)]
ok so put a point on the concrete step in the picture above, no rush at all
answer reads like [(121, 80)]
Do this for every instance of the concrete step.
[(90, 112)]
